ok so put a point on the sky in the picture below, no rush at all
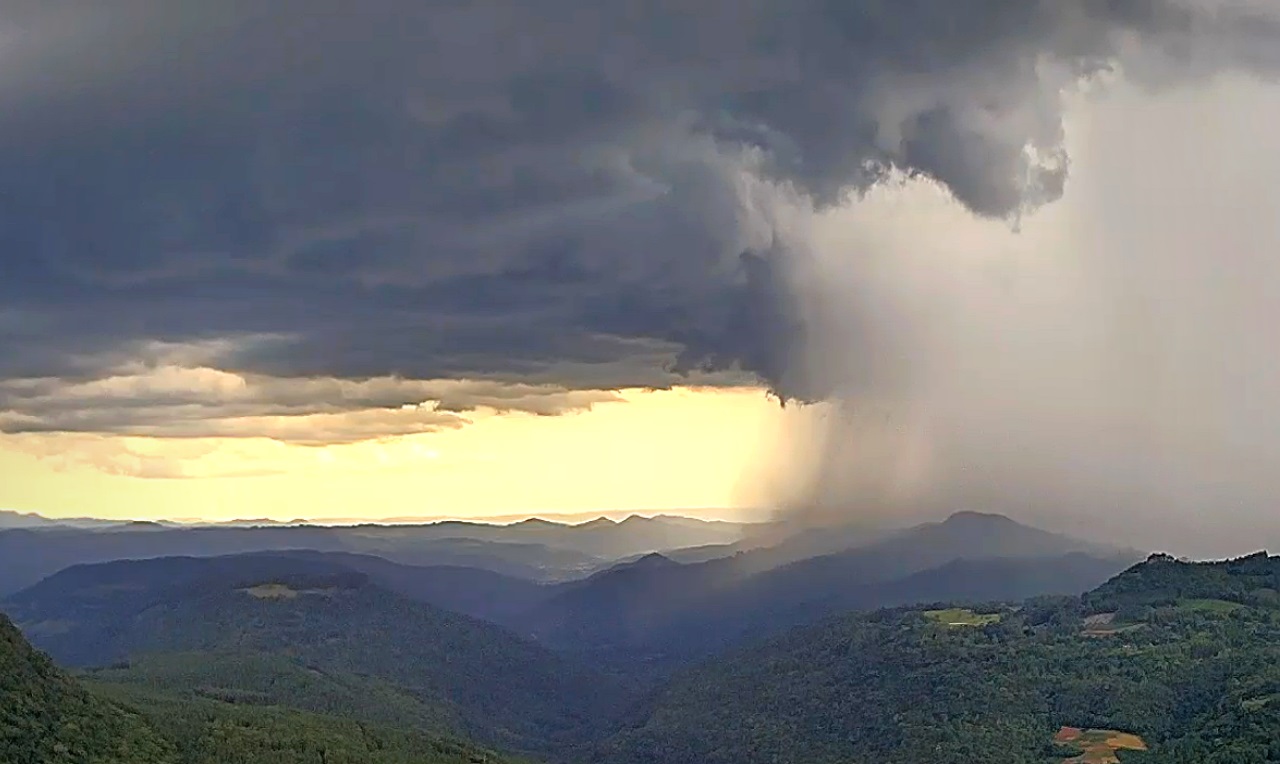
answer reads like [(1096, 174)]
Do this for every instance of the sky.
[(320, 259), (618, 457)]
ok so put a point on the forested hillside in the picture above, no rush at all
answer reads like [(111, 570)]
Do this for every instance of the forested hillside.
[(483, 680), (46, 718), (297, 659), (655, 613), (210, 731), (262, 679), (641, 620), (1186, 657)]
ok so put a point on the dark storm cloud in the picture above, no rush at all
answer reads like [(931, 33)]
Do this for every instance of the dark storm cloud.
[(588, 195)]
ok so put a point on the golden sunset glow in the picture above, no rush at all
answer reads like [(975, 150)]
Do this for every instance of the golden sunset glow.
[(682, 449)]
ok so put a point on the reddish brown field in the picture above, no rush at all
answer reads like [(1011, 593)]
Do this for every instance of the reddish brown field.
[(1068, 735), (1098, 746)]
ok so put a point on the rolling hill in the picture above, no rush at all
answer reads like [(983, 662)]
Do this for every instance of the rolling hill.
[(537, 550), (641, 617), (47, 717), (1188, 672), (27, 556), (476, 592), (113, 585), (499, 688), (657, 612)]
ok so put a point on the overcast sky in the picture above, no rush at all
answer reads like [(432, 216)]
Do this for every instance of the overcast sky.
[(277, 252)]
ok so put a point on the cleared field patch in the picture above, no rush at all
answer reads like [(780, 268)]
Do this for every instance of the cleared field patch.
[(1253, 704), (1105, 625), (1099, 620), (1097, 746), (283, 592), (271, 592), (959, 616), (1068, 735), (1109, 631)]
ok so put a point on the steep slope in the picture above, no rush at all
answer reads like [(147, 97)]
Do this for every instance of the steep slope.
[(1194, 679), (212, 731), (500, 688), (257, 679), (46, 717)]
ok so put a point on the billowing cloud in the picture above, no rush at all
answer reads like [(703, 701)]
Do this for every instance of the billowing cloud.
[(1108, 370), (350, 208)]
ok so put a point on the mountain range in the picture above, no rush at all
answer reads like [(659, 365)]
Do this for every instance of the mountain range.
[(297, 658), (647, 614), (658, 611), (534, 549), (764, 654)]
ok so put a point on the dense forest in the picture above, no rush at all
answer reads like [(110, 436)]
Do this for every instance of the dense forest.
[(1185, 656), (47, 717), (1170, 662), (472, 675)]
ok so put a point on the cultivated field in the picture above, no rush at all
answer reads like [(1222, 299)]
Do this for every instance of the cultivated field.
[(958, 616), (1097, 746)]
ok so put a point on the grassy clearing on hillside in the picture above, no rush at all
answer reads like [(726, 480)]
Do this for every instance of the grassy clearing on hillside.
[(959, 616), (1220, 607), (271, 592), (1106, 625), (1111, 631), (1097, 746), (282, 592)]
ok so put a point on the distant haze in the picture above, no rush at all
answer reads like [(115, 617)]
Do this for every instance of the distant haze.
[(402, 257), (1110, 367)]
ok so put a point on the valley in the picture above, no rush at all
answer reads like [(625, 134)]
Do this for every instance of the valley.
[(639, 382), (973, 636)]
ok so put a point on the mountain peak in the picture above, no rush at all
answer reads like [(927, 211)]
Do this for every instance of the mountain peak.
[(654, 559), (971, 517), (650, 561), (599, 522), (536, 522)]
